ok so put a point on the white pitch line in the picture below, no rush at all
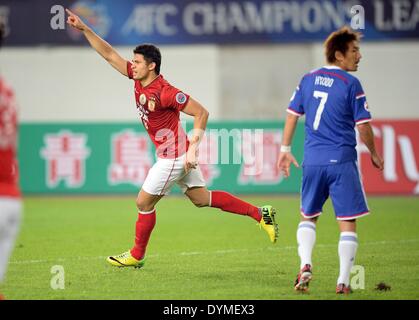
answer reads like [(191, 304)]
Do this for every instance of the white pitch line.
[(194, 253)]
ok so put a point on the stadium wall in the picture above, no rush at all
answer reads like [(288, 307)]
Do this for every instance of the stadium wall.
[(76, 84), (233, 82)]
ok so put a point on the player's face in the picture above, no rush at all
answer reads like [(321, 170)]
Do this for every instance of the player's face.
[(352, 57), (140, 67)]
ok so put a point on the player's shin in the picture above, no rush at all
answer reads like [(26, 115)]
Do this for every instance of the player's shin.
[(143, 228), (227, 202), (348, 245), (306, 238)]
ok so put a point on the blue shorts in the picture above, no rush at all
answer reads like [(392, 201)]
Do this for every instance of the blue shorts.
[(342, 182)]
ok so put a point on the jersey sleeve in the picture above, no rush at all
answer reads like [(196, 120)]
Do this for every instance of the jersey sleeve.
[(296, 102), (129, 69), (172, 97), (358, 103)]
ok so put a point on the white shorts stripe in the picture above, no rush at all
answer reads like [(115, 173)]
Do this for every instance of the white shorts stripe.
[(362, 185), (168, 178), (356, 216), (312, 216)]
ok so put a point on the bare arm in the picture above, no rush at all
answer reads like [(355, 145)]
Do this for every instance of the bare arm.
[(285, 157), (97, 43), (200, 114), (367, 137), (289, 129)]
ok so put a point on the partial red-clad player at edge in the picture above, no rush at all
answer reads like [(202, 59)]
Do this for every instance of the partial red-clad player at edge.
[(10, 197), (159, 105)]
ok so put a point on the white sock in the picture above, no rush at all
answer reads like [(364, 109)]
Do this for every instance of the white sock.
[(348, 244), (306, 237)]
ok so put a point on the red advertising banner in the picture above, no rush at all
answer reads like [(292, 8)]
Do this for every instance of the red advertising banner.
[(398, 142)]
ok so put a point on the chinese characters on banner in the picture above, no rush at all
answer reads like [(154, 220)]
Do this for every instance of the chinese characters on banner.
[(131, 158), (65, 154), (247, 165)]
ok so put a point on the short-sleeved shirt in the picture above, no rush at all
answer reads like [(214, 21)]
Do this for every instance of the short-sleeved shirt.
[(9, 173), (159, 105), (333, 102)]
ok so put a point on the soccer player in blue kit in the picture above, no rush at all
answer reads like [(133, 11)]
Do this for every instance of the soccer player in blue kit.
[(333, 102)]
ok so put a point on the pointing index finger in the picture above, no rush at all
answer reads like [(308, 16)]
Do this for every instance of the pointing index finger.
[(69, 12)]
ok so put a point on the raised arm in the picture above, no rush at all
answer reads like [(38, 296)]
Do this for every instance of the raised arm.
[(97, 43), (367, 137), (200, 114)]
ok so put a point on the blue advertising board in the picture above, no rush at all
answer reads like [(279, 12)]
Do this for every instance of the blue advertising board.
[(130, 22)]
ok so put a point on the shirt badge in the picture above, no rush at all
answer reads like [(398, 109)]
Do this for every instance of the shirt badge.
[(151, 104), (180, 98)]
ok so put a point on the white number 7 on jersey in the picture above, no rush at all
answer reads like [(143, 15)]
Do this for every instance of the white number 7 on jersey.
[(323, 98)]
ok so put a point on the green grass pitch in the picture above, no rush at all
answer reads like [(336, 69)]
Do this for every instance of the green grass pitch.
[(204, 253)]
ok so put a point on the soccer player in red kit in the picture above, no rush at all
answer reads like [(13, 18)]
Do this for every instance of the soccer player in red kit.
[(159, 105), (10, 200)]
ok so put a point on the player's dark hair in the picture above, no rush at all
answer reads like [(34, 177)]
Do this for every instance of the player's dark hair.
[(151, 54), (339, 41)]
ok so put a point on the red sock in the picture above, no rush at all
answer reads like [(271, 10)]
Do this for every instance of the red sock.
[(143, 228), (227, 202)]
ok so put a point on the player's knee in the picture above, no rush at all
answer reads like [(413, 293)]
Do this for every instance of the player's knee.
[(144, 206)]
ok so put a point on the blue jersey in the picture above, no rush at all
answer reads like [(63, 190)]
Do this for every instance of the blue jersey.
[(333, 102)]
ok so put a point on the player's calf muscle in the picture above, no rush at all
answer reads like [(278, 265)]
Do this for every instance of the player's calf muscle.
[(200, 203), (199, 197)]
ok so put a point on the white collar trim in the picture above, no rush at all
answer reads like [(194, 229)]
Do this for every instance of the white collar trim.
[(332, 67)]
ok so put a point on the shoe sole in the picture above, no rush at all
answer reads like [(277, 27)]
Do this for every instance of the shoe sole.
[(304, 282), (121, 265), (346, 290), (276, 227), (343, 292)]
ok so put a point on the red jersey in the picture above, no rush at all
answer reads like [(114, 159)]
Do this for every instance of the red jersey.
[(9, 185), (159, 105)]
